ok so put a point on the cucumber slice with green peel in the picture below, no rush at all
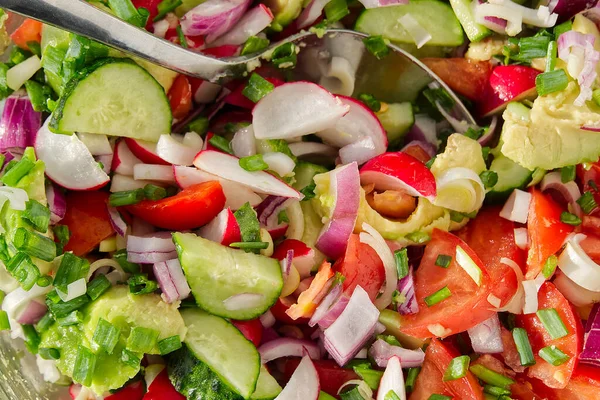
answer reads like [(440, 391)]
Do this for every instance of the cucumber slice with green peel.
[(435, 17), (397, 120), (305, 172), (220, 345), (510, 176), (267, 387), (217, 273), (115, 97), (464, 12)]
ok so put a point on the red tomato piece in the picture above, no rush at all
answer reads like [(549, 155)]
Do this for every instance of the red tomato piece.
[(590, 182), (88, 221), (361, 266), (190, 208), (510, 355), (279, 311), (430, 379), (252, 330), (591, 224), (467, 299), (161, 388), (417, 152), (180, 97), (331, 375), (227, 50), (546, 231), (29, 31), (584, 385), (591, 246), (553, 376), (133, 391), (492, 238), (464, 76)]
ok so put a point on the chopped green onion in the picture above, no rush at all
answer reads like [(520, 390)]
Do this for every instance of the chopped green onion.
[(32, 338), (182, 40), (567, 173), (596, 96), (436, 396), (551, 56), (43, 324), (485, 152), (553, 355), (438, 296), (220, 143), (587, 202), (391, 395), (496, 391), (473, 133), (125, 10), (22, 268), (370, 376), (85, 364), (120, 256), (550, 266), (570, 219), (443, 260), (370, 101), (411, 378), (53, 296), (457, 368), (309, 191), (552, 322), (165, 7), (37, 215), (248, 223), (491, 377), (550, 82), (253, 163), (17, 172), (18, 55), (285, 56), (282, 217), (250, 245), (257, 88), (153, 192), (140, 284), (63, 308), (523, 347), (401, 258), (5, 91), (126, 198), (98, 286), (106, 336), (198, 125), (38, 95), (142, 340), (49, 353), (418, 237), (532, 47), (456, 216), (61, 232), (130, 358), (377, 46), (336, 10), (169, 345), (489, 179), (562, 28), (254, 44), (71, 269), (4, 322), (74, 318), (441, 96), (34, 244)]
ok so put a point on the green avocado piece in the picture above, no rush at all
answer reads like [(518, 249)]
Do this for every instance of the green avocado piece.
[(284, 11)]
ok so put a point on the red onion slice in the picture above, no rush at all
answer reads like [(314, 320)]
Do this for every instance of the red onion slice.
[(57, 203), (486, 336), (406, 287), (334, 312), (156, 242), (382, 352), (251, 24), (382, 3), (568, 193), (117, 221), (213, 18), (150, 257), (267, 320), (32, 313), (304, 383), (392, 380), (288, 347), (165, 282), (19, 123), (326, 304)]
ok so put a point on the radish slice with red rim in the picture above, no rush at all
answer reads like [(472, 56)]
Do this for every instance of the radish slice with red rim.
[(296, 109), (223, 229), (145, 151), (174, 149), (304, 383), (124, 160), (98, 145)]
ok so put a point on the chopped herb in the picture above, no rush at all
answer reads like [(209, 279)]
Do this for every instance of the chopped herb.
[(282, 217), (391, 395), (309, 191), (401, 259), (169, 345), (257, 88), (550, 82), (439, 95), (17, 172), (44, 281), (61, 308), (84, 367), (140, 284), (126, 198), (489, 179), (473, 133), (254, 44), (220, 143), (22, 268), (532, 47), (523, 347), (377, 46), (98, 286), (436, 396), (491, 377), (550, 266), (570, 219), (562, 28), (443, 260), (551, 56), (37, 215), (106, 336), (62, 234), (418, 237), (125, 10), (71, 269), (34, 244), (120, 256), (4, 322), (32, 338), (336, 10), (411, 378), (587, 202), (130, 358), (253, 163), (198, 125), (73, 318), (5, 91), (49, 353), (165, 7), (553, 355), (458, 368), (370, 101), (38, 95), (142, 340), (182, 40), (248, 223), (153, 192), (496, 391), (552, 322), (567, 174), (250, 245), (285, 56), (43, 324), (438, 296)]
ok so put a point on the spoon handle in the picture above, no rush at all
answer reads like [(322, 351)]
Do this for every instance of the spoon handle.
[(79, 17)]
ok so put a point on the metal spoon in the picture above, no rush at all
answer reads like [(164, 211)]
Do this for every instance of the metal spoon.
[(329, 59)]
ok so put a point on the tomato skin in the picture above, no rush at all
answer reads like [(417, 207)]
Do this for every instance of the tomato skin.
[(88, 221), (133, 391), (190, 208), (252, 330), (180, 97), (331, 375), (29, 31), (161, 388), (590, 175), (464, 76), (553, 376), (547, 232), (584, 385), (361, 265), (467, 300), (492, 238)]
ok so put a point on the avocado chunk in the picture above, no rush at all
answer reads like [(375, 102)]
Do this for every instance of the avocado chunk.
[(284, 11)]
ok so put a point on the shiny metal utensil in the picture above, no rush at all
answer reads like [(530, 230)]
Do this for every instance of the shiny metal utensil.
[(338, 60)]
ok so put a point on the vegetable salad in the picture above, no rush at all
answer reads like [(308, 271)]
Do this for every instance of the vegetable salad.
[(165, 237)]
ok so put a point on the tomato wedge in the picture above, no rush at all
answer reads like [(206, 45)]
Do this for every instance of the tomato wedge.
[(467, 299), (430, 379), (180, 97), (464, 76), (331, 375), (133, 391), (584, 385), (361, 266), (590, 181), (547, 232), (493, 238), (29, 31), (252, 330), (553, 376), (190, 208), (161, 388), (88, 221)]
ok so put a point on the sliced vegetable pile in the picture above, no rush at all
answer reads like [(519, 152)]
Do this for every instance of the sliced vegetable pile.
[(163, 237)]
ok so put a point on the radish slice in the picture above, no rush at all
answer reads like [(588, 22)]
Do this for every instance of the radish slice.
[(279, 163), (145, 151), (120, 183), (223, 229), (344, 189), (175, 152), (213, 17), (304, 149), (401, 172), (228, 167), (160, 173), (251, 24), (124, 160), (296, 109), (311, 13), (392, 380), (304, 383), (68, 162), (98, 145)]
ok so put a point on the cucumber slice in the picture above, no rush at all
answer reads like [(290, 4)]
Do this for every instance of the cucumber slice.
[(267, 387), (224, 349), (397, 120), (304, 173), (510, 176), (464, 12), (114, 97), (216, 273), (435, 17)]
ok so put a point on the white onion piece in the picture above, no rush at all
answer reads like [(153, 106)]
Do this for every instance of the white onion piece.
[(521, 238), (193, 140), (360, 151), (16, 197), (251, 24), (381, 352), (296, 109), (392, 380), (207, 93), (213, 18), (419, 34), (351, 330), (228, 167), (48, 369), (154, 172), (16, 301), (486, 337), (325, 304), (516, 208), (74, 290), (243, 143), (280, 163), (304, 383), (121, 183), (468, 265), (302, 149), (574, 293), (578, 266), (531, 296), (494, 300), (463, 179), (569, 191), (374, 239), (288, 347), (243, 301), (155, 242), (175, 152), (160, 28), (98, 145), (106, 263), (311, 13), (57, 203), (267, 319), (22, 72)]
